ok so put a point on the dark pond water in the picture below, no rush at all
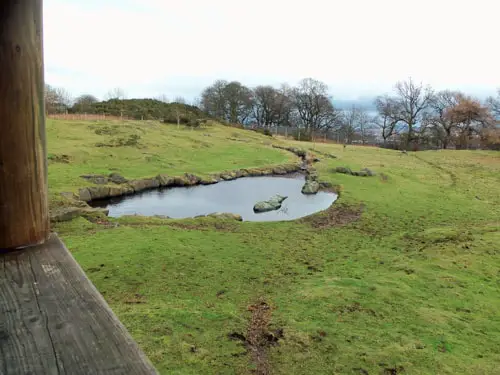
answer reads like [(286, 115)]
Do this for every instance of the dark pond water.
[(237, 196)]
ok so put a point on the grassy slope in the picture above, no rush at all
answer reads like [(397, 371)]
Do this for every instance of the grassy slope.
[(161, 149), (412, 284)]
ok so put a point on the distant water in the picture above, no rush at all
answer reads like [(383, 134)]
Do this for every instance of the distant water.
[(237, 196)]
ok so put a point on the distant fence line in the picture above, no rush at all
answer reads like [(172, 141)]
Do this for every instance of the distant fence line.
[(317, 136), (84, 116)]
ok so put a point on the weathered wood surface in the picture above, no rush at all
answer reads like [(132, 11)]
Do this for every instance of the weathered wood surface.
[(54, 321), (24, 218)]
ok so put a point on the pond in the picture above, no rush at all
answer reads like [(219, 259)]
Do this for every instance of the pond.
[(236, 196)]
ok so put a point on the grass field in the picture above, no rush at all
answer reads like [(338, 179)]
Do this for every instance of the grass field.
[(409, 286)]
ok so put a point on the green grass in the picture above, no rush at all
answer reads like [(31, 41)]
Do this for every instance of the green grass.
[(412, 285), (161, 148)]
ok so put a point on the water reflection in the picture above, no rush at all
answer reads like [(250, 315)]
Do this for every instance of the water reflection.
[(237, 196)]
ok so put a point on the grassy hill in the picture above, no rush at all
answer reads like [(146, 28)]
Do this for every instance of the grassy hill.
[(146, 109), (398, 277)]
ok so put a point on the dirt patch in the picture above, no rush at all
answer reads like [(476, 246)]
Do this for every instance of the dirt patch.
[(135, 299), (352, 308), (336, 215), (56, 158), (393, 370), (259, 338)]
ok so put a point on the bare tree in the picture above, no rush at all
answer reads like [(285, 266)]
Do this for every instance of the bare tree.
[(348, 122), (284, 105), (163, 98), (412, 100), (264, 104), (57, 99), (388, 116), (196, 102), (230, 101), (313, 106), (355, 122), (115, 93), (438, 119), (493, 104), (239, 101), (213, 99), (180, 100), (365, 125)]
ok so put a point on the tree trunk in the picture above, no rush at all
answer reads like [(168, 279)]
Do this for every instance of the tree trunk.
[(24, 216)]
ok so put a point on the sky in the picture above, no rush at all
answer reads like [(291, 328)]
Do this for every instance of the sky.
[(359, 48)]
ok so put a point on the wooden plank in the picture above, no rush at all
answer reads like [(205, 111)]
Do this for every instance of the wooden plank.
[(54, 321), (24, 217)]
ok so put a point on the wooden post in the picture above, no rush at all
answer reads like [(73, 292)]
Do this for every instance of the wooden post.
[(24, 218)]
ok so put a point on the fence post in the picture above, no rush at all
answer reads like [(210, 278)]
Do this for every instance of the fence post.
[(24, 216)]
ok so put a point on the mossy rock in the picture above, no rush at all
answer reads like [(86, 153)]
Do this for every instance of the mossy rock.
[(270, 205), (228, 176), (117, 191), (255, 172), (360, 173), (96, 179), (70, 213), (117, 178), (344, 170), (241, 173), (369, 172), (99, 192), (144, 184), (84, 194), (280, 170), (311, 175), (165, 180), (310, 187), (210, 180)]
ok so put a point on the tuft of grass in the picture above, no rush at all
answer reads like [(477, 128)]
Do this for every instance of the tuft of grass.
[(408, 283)]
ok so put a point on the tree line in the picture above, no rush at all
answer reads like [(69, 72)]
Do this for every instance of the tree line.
[(412, 116)]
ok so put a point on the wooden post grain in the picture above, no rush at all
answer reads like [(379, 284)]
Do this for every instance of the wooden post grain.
[(24, 216)]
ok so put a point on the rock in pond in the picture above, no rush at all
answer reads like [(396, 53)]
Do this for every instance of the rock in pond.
[(270, 205), (310, 187)]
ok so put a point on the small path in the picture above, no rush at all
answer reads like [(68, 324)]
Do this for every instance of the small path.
[(453, 176)]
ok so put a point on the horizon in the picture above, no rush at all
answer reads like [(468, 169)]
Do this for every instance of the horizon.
[(98, 46)]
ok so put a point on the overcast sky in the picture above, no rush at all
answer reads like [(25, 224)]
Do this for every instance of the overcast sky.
[(358, 47)]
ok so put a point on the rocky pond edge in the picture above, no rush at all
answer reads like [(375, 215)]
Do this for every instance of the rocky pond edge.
[(115, 185)]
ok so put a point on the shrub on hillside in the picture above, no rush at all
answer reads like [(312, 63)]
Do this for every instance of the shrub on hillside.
[(131, 140), (264, 131), (302, 136), (107, 130)]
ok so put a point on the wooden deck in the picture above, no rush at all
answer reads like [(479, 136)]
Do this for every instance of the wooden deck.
[(54, 321)]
